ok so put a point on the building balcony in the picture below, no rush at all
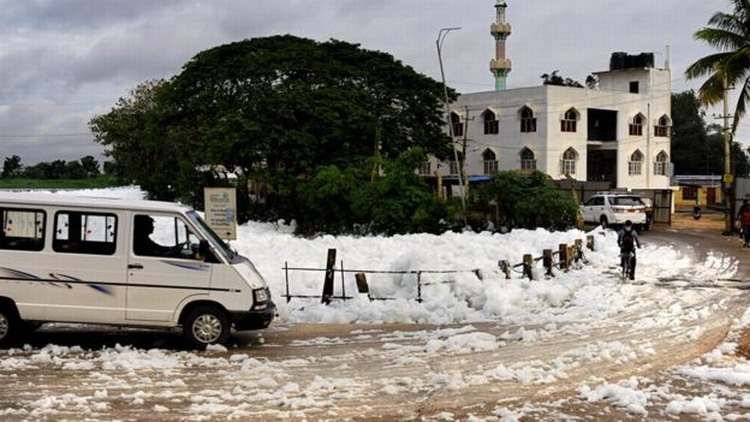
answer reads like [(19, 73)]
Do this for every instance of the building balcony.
[(500, 28), (500, 64)]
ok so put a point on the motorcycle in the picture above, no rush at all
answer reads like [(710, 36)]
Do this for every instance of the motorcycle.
[(697, 212)]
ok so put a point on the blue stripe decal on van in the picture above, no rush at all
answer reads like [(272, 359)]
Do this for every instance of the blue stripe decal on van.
[(96, 287), (187, 266), (10, 274)]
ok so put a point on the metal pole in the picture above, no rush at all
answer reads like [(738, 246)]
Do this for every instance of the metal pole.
[(727, 163), (439, 44)]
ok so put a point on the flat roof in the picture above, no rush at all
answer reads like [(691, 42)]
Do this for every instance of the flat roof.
[(91, 202)]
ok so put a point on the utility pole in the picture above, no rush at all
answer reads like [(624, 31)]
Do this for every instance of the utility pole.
[(726, 181), (439, 44)]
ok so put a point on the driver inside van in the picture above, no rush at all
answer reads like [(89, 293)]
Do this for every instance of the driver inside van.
[(142, 243)]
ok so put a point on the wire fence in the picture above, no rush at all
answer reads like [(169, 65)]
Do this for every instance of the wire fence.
[(564, 259)]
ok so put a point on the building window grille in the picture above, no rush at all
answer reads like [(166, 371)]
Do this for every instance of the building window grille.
[(635, 164), (569, 122), (490, 162), (425, 168), (528, 162), (568, 162), (636, 126), (458, 126), (662, 127), (491, 125), (528, 121), (661, 164)]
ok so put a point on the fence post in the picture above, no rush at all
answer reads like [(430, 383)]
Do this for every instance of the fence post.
[(362, 286), (505, 268), (565, 256), (528, 263), (547, 261), (590, 242), (286, 276), (328, 281), (419, 286), (343, 285), (578, 250)]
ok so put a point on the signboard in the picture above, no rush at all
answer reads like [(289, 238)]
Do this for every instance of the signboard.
[(221, 211), (728, 178)]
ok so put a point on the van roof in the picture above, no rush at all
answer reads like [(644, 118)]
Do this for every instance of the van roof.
[(91, 202)]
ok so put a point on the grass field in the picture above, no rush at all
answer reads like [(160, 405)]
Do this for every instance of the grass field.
[(96, 183)]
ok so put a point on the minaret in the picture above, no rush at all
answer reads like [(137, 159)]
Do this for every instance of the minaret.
[(500, 65)]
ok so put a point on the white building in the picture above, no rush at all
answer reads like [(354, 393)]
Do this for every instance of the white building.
[(618, 133)]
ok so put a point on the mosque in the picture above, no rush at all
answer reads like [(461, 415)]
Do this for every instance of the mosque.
[(616, 134)]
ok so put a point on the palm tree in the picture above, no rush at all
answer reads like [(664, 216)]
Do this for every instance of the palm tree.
[(730, 34)]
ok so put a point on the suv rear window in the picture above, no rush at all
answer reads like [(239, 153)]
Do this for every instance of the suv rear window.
[(626, 200)]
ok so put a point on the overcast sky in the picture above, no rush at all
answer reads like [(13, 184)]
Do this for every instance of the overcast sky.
[(63, 62)]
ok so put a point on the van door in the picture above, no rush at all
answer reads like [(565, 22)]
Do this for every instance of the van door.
[(164, 268), (84, 277)]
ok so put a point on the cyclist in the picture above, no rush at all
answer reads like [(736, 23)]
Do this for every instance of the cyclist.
[(627, 240)]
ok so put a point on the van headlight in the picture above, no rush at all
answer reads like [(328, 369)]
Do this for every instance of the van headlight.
[(260, 295)]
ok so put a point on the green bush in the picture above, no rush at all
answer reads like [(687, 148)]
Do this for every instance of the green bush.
[(519, 199)]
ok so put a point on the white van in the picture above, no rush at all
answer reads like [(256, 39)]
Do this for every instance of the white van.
[(125, 263)]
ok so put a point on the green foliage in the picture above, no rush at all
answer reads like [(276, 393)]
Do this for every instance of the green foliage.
[(12, 167), (528, 200), (697, 148), (350, 201), (729, 33), (693, 151), (85, 168), (555, 79), (274, 110)]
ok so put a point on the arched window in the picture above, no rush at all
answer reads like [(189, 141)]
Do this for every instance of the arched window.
[(528, 162), (490, 161), (458, 127), (568, 162), (528, 121), (491, 125), (569, 121), (662, 126), (636, 163), (636, 125), (661, 164)]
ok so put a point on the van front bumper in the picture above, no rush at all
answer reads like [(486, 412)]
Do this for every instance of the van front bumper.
[(254, 319)]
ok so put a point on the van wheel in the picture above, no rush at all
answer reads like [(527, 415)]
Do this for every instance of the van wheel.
[(9, 326), (603, 221), (206, 325)]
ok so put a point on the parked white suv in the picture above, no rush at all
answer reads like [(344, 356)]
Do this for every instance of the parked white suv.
[(612, 208)]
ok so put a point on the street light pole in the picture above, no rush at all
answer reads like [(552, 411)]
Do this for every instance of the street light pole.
[(439, 44)]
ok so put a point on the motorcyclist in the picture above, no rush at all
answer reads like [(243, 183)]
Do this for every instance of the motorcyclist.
[(627, 240)]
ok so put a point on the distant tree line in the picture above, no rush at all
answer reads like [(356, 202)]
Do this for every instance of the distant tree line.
[(85, 168)]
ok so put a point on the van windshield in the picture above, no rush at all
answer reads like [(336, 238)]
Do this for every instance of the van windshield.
[(211, 236)]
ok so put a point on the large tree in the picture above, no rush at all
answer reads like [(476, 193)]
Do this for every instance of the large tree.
[(276, 109), (692, 153)]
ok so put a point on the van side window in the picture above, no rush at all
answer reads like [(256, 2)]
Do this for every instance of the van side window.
[(165, 236), (22, 229), (85, 233)]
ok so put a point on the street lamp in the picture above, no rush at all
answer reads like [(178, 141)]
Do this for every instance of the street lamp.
[(439, 44)]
